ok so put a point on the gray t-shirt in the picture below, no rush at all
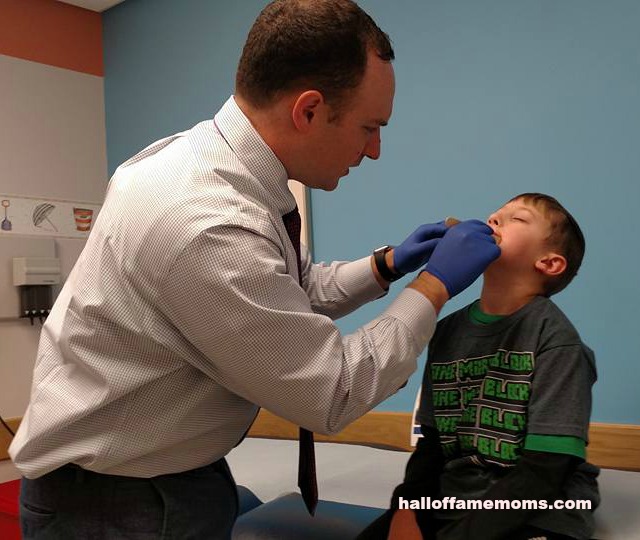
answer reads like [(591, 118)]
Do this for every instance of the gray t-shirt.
[(492, 390)]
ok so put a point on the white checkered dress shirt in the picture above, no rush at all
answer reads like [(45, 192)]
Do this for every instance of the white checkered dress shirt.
[(183, 314)]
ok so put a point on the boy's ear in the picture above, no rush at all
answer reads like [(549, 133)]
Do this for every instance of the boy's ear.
[(551, 264)]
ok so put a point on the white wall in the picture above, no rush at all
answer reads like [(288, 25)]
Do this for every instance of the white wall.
[(52, 145)]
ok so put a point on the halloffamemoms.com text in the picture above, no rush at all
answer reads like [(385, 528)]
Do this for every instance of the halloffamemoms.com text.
[(452, 503)]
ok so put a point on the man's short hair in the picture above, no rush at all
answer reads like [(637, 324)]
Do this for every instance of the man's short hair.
[(565, 237), (308, 44)]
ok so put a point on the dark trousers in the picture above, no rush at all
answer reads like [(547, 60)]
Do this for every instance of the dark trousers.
[(71, 503)]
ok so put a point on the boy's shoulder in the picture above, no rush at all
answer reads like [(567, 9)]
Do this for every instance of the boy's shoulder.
[(541, 316), (556, 328)]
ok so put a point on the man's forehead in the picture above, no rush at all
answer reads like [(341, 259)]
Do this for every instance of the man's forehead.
[(374, 95)]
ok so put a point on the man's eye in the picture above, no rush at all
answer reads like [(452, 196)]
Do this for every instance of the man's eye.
[(518, 219)]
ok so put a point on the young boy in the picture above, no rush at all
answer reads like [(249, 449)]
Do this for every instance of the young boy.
[(506, 397)]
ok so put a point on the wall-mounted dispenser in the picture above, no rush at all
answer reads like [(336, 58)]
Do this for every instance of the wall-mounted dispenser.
[(34, 276)]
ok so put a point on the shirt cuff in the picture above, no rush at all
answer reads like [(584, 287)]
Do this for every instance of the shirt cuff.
[(556, 444), (417, 312)]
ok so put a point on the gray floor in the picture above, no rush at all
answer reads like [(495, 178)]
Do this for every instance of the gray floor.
[(366, 476)]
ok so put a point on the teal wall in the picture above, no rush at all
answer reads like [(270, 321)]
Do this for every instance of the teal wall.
[(493, 98)]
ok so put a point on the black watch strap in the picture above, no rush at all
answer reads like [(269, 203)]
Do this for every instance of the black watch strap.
[(381, 264)]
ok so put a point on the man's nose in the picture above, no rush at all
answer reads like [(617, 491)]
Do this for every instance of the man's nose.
[(493, 221), (372, 148)]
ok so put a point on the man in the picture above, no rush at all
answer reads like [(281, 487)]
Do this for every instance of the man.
[(193, 303)]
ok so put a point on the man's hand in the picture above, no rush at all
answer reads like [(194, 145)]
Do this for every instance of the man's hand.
[(404, 526), (462, 255), (417, 248)]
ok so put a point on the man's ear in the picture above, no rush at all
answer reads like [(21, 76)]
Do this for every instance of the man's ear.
[(305, 109), (551, 264)]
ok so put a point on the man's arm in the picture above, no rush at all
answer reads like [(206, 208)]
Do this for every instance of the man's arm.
[(253, 331), (339, 288), (252, 328)]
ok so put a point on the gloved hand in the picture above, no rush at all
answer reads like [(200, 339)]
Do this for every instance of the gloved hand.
[(418, 247), (462, 255)]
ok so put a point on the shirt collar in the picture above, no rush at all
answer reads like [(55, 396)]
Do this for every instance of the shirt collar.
[(247, 144)]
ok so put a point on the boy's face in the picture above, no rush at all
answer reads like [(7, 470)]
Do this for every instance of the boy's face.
[(523, 231)]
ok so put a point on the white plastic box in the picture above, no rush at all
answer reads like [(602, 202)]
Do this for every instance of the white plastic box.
[(36, 271)]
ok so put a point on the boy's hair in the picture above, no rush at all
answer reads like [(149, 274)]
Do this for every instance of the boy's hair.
[(565, 237), (319, 44)]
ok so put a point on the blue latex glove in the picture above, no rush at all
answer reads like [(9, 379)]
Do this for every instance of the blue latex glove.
[(462, 255), (418, 247)]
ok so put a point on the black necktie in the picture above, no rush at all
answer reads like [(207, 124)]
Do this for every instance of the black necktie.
[(307, 461)]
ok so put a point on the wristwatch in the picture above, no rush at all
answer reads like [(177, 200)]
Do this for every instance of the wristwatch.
[(379, 257)]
